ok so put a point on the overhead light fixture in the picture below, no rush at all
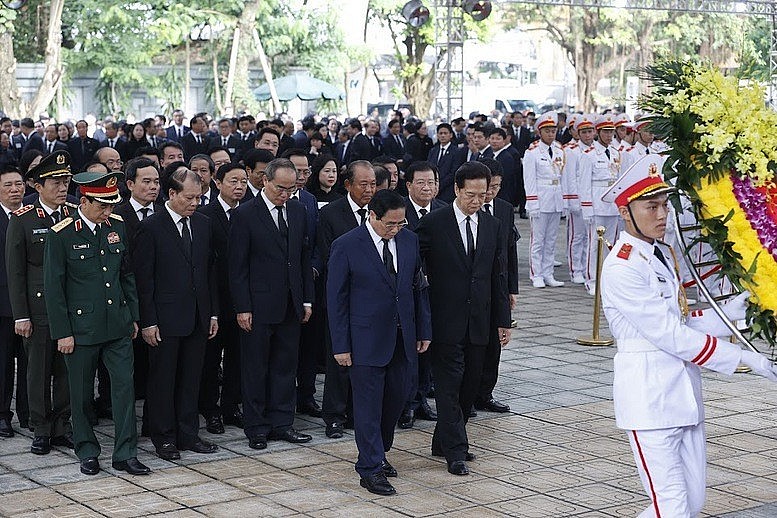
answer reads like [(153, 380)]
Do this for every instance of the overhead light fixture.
[(13, 4), (479, 10), (416, 13)]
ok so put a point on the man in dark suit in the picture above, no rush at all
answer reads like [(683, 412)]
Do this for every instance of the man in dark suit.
[(143, 183), (50, 142), (113, 140), (459, 126), (442, 156), (178, 313), (269, 140), (421, 181), (27, 138), (336, 219), (462, 251), (509, 168), (271, 280), (503, 211), (255, 161), (227, 139), (372, 133), (177, 130), (11, 192), (359, 147), (195, 142), (81, 146), (379, 320), (232, 183), (394, 142), (204, 166)]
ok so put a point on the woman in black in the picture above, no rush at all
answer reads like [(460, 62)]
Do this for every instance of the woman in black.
[(322, 180), (136, 139), (418, 143)]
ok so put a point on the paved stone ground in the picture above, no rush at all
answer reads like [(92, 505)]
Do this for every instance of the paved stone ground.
[(556, 454)]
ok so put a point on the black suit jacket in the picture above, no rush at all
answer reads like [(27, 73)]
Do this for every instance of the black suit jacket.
[(191, 147), (131, 221), (120, 145), (234, 145), (35, 141), (175, 290), (463, 294), (5, 300), (264, 268), (58, 145), (447, 174), (503, 211), (172, 133), (220, 244), (359, 149), (391, 148), (412, 216), (334, 220), (510, 171), (81, 152)]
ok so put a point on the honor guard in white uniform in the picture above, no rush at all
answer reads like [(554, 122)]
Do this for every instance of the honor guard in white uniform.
[(543, 165), (577, 235), (657, 390), (624, 137), (572, 125), (643, 144), (599, 169)]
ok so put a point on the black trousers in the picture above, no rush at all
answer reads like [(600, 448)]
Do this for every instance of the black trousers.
[(22, 403), (312, 345), (338, 403), (420, 381), (490, 375), (140, 355), (457, 370), (174, 370), (268, 361), (227, 344), (9, 342)]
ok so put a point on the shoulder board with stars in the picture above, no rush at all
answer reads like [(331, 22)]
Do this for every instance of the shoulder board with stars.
[(534, 144), (22, 210), (625, 251), (62, 224), (41, 213), (71, 205), (589, 149), (116, 217), (570, 145)]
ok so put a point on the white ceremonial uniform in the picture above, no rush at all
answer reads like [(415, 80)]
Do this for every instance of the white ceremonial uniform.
[(597, 174), (657, 386), (577, 235), (543, 166), (635, 152)]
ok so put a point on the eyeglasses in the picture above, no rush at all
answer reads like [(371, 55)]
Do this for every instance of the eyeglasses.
[(392, 225), (280, 190)]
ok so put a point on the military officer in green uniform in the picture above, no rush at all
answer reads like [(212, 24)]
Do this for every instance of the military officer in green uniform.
[(93, 308), (28, 230)]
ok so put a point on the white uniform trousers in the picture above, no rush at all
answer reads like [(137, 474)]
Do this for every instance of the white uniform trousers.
[(577, 242), (610, 224), (544, 230), (672, 464)]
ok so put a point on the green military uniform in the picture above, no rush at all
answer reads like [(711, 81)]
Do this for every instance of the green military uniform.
[(28, 231), (91, 296)]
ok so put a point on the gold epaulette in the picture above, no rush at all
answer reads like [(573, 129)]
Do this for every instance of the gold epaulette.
[(62, 224), (22, 210), (116, 217)]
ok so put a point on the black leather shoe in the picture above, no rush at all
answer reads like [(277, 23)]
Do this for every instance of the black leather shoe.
[(492, 405), (144, 430), (40, 446), (214, 425), (310, 408), (291, 435), (64, 441), (168, 451), (132, 466), (377, 483), (458, 467), (425, 412), (523, 215), (469, 457), (90, 466), (334, 430), (388, 469), (407, 419), (5, 428), (234, 419), (257, 442), (202, 446), (472, 412)]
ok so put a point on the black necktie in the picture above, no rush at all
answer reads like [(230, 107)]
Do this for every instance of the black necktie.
[(97, 230), (607, 152), (550, 152), (388, 260), (180, 132), (110, 143), (186, 236), (224, 142), (657, 253), (470, 241), (51, 147), (362, 215), (55, 216), (487, 208), (229, 214), (282, 222), (203, 200), (423, 212), (153, 140), (144, 213), (647, 150)]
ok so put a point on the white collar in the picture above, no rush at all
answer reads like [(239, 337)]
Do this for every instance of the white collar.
[(224, 204), (353, 204), (137, 206), (89, 223), (460, 216), (418, 208)]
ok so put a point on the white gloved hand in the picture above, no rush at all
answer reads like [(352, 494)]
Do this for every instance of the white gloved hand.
[(760, 364), (534, 214), (737, 308)]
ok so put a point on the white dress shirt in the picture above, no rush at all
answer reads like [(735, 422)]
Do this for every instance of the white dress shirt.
[(378, 242), (461, 221), (273, 212), (137, 206), (225, 206), (177, 220), (355, 208)]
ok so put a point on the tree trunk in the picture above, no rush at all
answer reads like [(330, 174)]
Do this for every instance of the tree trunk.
[(276, 104), (52, 74), (585, 62), (229, 102), (420, 92), (11, 99), (217, 84), (246, 23)]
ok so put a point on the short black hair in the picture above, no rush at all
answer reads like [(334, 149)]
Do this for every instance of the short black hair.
[(319, 163), (445, 125), (148, 150), (382, 175), (217, 148), (308, 124), (264, 131), (170, 143), (132, 166), (421, 165), (393, 122), (355, 124), (225, 168), (384, 201), (383, 160), (472, 171), (257, 156), (27, 123), (493, 166), (316, 136), (498, 131), (479, 128), (295, 151), (458, 120)]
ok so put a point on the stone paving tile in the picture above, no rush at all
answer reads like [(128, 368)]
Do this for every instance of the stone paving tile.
[(204, 494), (59, 474), (252, 506), (100, 488), (537, 506), (12, 482), (176, 476), (65, 511), (228, 468), (128, 506), (19, 502), (268, 483), (308, 499), (27, 460)]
